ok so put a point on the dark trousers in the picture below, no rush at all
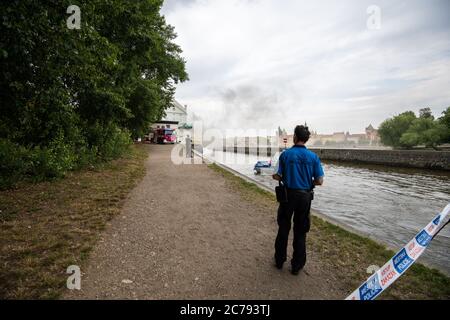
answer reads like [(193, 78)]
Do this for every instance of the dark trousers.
[(299, 205)]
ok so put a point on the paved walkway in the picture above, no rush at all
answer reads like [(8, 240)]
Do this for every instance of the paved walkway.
[(184, 234)]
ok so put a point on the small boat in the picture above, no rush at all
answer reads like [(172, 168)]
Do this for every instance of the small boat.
[(260, 165)]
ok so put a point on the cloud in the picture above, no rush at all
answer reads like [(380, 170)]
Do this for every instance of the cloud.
[(172, 5), (264, 63)]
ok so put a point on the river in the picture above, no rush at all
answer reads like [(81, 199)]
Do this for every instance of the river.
[(389, 205)]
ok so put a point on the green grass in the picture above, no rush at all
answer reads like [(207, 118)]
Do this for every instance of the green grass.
[(345, 256), (247, 189), (46, 227)]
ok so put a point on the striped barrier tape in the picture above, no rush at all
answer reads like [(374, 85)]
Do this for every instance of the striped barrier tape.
[(404, 259)]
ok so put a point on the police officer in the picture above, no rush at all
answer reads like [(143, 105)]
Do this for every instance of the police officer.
[(300, 170)]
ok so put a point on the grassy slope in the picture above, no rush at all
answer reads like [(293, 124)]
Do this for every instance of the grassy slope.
[(46, 227), (346, 256)]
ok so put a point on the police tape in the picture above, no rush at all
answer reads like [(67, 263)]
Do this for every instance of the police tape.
[(395, 267)]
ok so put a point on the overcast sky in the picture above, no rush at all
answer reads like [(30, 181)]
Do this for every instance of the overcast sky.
[(263, 63)]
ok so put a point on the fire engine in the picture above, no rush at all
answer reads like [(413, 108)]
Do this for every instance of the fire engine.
[(164, 135)]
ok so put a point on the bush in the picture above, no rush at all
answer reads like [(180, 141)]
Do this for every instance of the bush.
[(108, 141), (52, 161), (12, 163), (60, 156)]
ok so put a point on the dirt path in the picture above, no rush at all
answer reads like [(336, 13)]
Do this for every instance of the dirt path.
[(184, 234)]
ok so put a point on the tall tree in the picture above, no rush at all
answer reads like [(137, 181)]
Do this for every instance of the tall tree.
[(391, 130), (426, 113), (72, 94), (444, 120), (407, 131)]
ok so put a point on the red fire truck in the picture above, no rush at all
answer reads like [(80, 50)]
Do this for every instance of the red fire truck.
[(164, 135)]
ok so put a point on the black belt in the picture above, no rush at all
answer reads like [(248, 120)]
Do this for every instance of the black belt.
[(299, 190)]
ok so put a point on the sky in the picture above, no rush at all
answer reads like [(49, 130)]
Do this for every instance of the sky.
[(336, 65)]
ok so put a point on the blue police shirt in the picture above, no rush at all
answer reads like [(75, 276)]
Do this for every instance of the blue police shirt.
[(297, 166)]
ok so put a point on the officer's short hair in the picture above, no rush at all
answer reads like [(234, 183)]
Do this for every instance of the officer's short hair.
[(302, 133)]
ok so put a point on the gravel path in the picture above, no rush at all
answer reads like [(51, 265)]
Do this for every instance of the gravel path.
[(184, 234)]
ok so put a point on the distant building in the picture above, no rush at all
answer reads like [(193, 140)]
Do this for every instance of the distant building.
[(338, 139), (370, 137), (175, 116), (176, 119)]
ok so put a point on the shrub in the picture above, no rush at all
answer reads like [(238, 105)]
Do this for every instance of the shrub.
[(108, 141), (52, 161), (12, 163), (61, 155)]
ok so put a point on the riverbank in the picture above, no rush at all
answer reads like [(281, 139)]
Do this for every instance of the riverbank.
[(48, 226), (387, 204), (347, 255), (422, 159), (216, 242), (194, 237), (213, 241)]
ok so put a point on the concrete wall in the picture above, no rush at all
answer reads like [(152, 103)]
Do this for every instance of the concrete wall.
[(399, 158), (428, 159), (261, 151)]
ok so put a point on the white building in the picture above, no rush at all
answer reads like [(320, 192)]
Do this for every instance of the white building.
[(176, 113), (175, 117)]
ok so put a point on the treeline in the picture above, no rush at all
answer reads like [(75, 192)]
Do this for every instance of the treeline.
[(73, 97), (406, 130)]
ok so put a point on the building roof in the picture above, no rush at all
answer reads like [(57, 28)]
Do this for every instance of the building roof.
[(166, 122), (179, 106), (185, 126)]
